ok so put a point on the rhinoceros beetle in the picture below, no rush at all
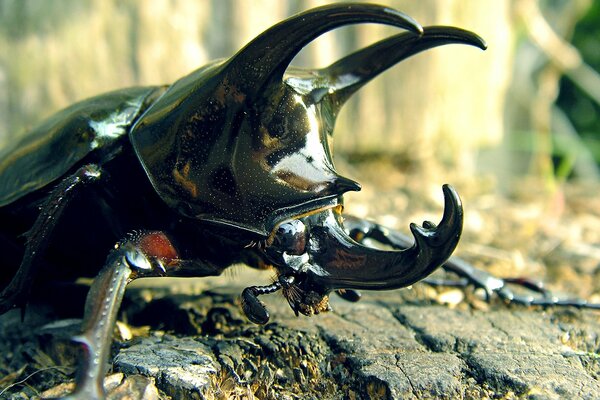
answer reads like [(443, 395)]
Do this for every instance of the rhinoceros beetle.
[(230, 164)]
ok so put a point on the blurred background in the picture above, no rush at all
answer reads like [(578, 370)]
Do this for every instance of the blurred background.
[(529, 103), (515, 128)]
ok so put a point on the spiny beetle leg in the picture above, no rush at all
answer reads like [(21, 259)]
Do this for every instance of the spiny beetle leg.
[(39, 236), (546, 300), (102, 305), (534, 286), (469, 275), (361, 230), (142, 254), (538, 295)]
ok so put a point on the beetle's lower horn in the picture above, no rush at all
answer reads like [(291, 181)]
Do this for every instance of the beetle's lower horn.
[(265, 59), (347, 264)]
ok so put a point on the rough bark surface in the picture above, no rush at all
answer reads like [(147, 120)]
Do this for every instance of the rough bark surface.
[(387, 346), (188, 339)]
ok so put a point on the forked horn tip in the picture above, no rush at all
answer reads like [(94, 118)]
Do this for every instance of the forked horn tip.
[(453, 209), (447, 233), (450, 227)]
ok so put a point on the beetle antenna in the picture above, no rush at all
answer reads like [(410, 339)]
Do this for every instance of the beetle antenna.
[(255, 310)]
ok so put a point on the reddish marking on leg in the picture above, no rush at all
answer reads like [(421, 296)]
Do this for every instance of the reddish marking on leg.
[(157, 244)]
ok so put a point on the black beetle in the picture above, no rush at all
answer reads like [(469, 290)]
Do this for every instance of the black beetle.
[(230, 164)]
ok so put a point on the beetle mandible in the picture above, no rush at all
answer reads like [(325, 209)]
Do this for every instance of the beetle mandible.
[(229, 164)]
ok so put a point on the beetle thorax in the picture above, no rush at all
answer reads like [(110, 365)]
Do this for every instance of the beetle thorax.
[(247, 162)]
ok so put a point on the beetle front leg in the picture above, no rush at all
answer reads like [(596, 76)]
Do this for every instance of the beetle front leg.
[(125, 263), (102, 305), (360, 230), (147, 254)]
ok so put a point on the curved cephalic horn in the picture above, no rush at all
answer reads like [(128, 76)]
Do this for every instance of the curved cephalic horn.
[(350, 73), (354, 266), (265, 59)]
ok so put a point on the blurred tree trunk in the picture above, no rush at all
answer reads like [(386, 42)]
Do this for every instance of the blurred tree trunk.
[(445, 103)]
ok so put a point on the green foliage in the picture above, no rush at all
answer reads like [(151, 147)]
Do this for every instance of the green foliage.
[(583, 111)]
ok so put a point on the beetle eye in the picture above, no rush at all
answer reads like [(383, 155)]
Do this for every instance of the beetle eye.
[(291, 237)]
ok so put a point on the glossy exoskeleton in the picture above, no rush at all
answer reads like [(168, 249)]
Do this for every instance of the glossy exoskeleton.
[(230, 164)]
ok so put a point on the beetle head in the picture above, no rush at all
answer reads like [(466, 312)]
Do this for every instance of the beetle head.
[(314, 255), (240, 143)]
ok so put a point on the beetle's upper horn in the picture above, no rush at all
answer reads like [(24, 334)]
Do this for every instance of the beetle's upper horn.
[(353, 71), (265, 59)]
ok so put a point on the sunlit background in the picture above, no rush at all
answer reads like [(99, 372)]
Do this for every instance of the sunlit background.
[(520, 119), (535, 89)]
